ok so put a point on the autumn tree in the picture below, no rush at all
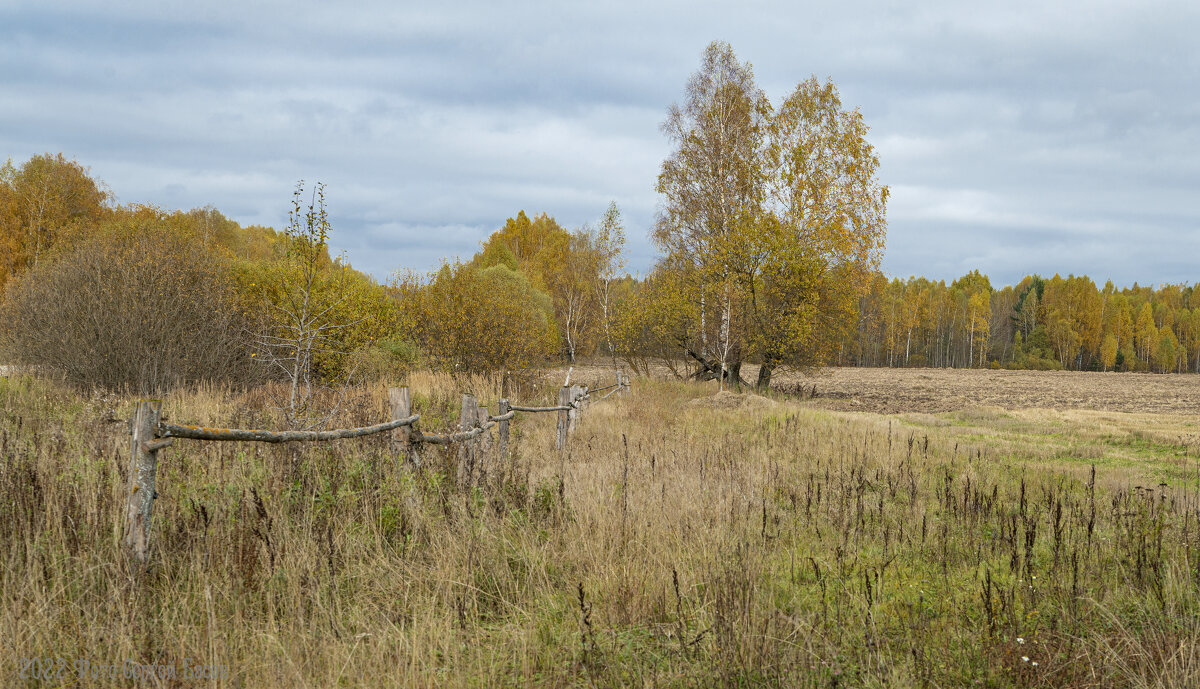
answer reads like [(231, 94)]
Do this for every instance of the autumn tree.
[(468, 319), (712, 181), (659, 318), (777, 208), (1145, 332), (1165, 353), (610, 249), (575, 268), (1108, 351), (309, 312), (41, 199)]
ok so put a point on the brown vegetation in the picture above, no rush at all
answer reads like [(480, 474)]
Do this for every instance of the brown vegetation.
[(890, 391), (772, 544), (133, 308)]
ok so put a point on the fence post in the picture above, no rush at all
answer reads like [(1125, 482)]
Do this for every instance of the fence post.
[(623, 379), (143, 466), (573, 415), (468, 418), (502, 433), (402, 443), (485, 438), (564, 399)]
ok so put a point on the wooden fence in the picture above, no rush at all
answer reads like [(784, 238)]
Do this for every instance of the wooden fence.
[(149, 433)]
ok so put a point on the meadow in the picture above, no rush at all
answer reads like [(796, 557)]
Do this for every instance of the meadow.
[(969, 536)]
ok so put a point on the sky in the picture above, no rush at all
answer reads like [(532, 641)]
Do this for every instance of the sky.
[(1016, 138)]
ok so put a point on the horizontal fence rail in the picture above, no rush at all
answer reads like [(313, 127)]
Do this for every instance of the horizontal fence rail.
[(167, 430), (149, 433), (536, 410)]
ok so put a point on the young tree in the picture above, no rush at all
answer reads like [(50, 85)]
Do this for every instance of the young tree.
[(610, 249), (305, 296), (469, 319)]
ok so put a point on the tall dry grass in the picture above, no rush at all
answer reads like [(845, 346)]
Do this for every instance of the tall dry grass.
[(676, 543)]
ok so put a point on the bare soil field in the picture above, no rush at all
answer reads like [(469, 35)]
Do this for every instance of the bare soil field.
[(932, 390)]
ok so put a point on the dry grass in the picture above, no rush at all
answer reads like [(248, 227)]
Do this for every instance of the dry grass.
[(728, 541)]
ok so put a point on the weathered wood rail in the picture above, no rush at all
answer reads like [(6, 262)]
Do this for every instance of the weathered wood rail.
[(149, 433)]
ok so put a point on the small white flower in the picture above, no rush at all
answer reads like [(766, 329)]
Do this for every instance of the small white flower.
[(1024, 659), (1020, 640), (1034, 663)]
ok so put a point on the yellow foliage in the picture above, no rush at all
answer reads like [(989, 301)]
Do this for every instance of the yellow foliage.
[(471, 320)]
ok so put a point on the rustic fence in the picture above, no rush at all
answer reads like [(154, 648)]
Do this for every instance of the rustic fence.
[(150, 433)]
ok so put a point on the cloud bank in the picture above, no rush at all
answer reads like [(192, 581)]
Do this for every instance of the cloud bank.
[(1017, 138)]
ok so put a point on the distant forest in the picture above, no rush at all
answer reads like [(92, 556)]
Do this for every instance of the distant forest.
[(1039, 323)]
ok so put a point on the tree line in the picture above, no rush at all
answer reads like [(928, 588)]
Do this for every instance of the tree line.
[(1039, 323), (140, 297)]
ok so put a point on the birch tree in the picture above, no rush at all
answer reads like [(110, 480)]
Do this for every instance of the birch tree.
[(304, 318), (610, 247), (778, 209), (712, 181)]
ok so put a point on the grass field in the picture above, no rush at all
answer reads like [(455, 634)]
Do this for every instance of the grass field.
[(989, 529)]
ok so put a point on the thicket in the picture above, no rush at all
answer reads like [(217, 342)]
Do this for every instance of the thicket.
[(135, 307), (136, 298)]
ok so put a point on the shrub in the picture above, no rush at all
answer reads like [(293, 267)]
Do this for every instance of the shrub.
[(385, 361), (135, 307), (469, 320)]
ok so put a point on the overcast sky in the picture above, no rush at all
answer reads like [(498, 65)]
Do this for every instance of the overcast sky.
[(1016, 137)]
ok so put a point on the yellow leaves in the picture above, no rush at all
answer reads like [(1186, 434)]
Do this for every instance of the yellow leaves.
[(474, 320)]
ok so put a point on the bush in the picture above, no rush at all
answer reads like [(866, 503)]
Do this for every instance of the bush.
[(386, 361), (136, 307), (468, 320)]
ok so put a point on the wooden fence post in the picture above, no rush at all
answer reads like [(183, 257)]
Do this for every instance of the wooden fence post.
[(564, 421), (143, 467), (485, 438), (468, 418), (576, 405), (402, 444), (502, 432)]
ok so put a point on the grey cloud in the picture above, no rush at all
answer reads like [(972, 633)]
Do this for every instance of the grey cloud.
[(1026, 137)]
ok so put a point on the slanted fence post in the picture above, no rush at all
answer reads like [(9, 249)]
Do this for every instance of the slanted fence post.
[(564, 420), (402, 444), (502, 432), (143, 468), (468, 418)]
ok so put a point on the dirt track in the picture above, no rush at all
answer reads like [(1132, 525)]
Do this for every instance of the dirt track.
[(891, 391)]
